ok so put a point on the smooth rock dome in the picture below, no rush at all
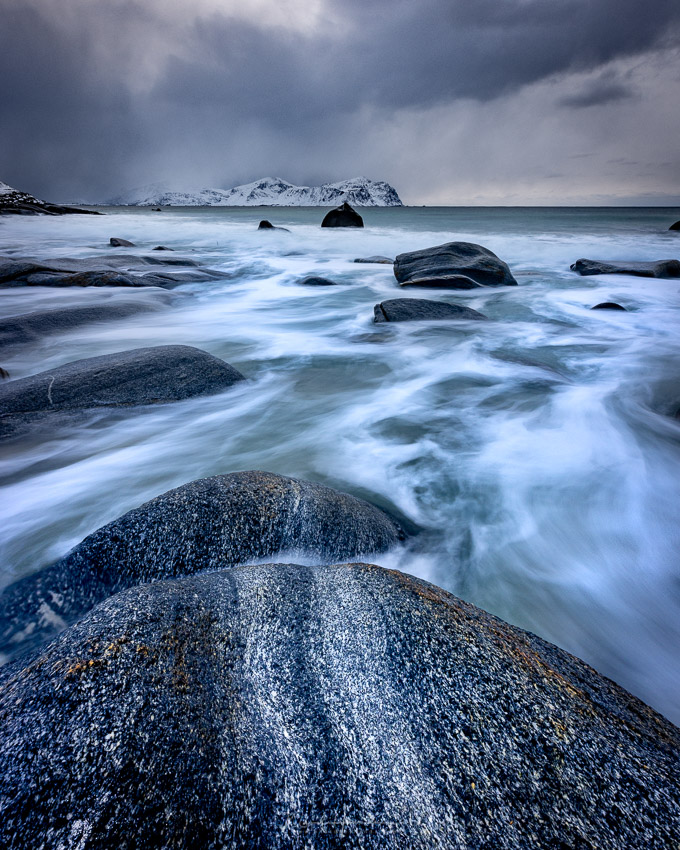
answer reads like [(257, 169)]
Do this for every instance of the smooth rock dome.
[(204, 525), (454, 265), (345, 706), (161, 373)]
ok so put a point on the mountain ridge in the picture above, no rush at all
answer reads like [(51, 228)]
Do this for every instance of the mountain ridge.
[(268, 191)]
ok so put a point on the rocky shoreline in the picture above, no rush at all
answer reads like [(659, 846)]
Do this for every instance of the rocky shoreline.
[(163, 690)]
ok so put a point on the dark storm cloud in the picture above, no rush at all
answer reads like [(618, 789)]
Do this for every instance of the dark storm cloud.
[(607, 88), (93, 96), (402, 54)]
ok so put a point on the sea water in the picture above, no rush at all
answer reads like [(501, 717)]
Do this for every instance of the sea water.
[(535, 457)]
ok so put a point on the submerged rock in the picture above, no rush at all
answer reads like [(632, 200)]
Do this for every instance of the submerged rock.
[(162, 248), (267, 225), (349, 706), (417, 309), (343, 216), (313, 280), (18, 330), (454, 265), (658, 268), (116, 242), (609, 305), (385, 261), (207, 524)]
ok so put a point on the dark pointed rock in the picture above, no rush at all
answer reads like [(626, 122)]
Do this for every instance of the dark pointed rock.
[(207, 524), (608, 305), (346, 706), (658, 268), (162, 248), (116, 242), (675, 226), (343, 216), (419, 309), (454, 265)]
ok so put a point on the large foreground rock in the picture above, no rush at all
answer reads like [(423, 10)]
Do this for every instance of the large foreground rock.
[(207, 524), (344, 706), (675, 226), (419, 309), (343, 216), (28, 328), (454, 265), (659, 268)]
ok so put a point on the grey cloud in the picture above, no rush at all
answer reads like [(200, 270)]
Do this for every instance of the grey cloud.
[(599, 92)]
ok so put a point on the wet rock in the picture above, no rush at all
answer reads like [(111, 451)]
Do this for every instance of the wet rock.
[(608, 305), (347, 706), (381, 260), (4, 374), (418, 309), (156, 209), (101, 278), (114, 270), (207, 524), (313, 280), (267, 225), (115, 242), (675, 226), (454, 265), (658, 268), (343, 216), (18, 330), (141, 376), (162, 248)]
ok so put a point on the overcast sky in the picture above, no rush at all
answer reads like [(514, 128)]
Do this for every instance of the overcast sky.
[(450, 101)]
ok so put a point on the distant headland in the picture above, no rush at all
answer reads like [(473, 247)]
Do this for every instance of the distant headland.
[(269, 191)]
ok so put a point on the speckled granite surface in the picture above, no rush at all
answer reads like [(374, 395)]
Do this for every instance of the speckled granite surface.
[(206, 524), (344, 706)]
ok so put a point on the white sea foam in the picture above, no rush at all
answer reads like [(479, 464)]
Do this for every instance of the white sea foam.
[(536, 451)]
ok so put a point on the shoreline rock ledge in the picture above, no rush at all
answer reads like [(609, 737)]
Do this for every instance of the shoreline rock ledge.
[(454, 265), (207, 524), (655, 268), (342, 706)]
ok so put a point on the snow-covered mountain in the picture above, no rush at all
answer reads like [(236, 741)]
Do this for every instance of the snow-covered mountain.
[(270, 191)]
